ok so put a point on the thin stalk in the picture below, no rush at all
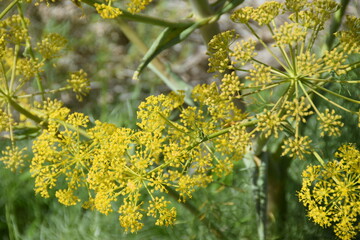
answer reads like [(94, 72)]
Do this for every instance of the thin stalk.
[(45, 92), (322, 162), (221, 132), (261, 89), (10, 126), (170, 123), (313, 38), (310, 100), (330, 101), (266, 47), (336, 94), (282, 100), (8, 8), (273, 70), (283, 52), (144, 19), (4, 78), (77, 129), (156, 65), (13, 69), (31, 52), (333, 80)]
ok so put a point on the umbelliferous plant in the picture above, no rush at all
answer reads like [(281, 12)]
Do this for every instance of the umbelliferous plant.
[(188, 139)]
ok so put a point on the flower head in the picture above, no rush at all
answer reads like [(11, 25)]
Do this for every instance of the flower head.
[(331, 194), (107, 11)]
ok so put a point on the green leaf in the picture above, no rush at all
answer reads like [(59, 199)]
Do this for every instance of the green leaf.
[(168, 38), (21, 133)]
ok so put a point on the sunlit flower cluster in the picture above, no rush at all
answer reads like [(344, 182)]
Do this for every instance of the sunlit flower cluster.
[(179, 147), (331, 192), (79, 83), (107, 11), (296, 73), (118, 165), (50, 45)]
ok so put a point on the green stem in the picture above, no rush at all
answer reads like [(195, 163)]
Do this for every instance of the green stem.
[(31, 52), (170, 123), (322, 162), (310, 101), (77, 129), (25, 112), (336, 23), (157, 66), (13, 70), (8, 8), (201, 9), (330, 101), (221, 132), (336, 94), (266, 46), (45, 92), (145, 19)]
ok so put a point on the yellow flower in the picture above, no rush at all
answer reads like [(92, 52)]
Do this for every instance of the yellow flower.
[(266, 12), (271, 123), (296, 147), (51, 45), (218, 51), (289, 33), (79, 83), (13, 157), (107, 11), (135, 6), (330, 123), (13, 30), (331, 193)]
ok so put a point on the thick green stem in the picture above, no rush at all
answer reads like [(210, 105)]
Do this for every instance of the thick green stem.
[(23, 111), (201, 9)]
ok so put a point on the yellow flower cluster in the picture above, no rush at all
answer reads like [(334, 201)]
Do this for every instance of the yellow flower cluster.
[(263, 15), (12, 29), (289, 33), (312, 14), (5, 121), (243, 52), (296, 147), (298, 109), (51, 45), (270, 123), (260, 75), (218, 51), (135, 6), (331, 193), (118, 166), (13, 157), (294, 74), (28, 68), (79, 83), (107, 11), (330, 123)]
